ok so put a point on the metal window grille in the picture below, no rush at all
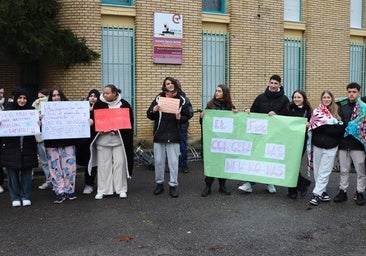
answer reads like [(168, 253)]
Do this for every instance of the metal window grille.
[(118, 60), (358, 64), (294, 65), (215, 63)]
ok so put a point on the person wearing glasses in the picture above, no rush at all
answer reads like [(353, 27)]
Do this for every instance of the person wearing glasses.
[(167, 135)]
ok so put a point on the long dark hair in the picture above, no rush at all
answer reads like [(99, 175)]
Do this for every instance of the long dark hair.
[(226, 97), (62, 95), (306, 103)]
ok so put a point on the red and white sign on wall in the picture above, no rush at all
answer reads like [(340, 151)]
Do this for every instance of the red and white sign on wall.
[(168, 38)]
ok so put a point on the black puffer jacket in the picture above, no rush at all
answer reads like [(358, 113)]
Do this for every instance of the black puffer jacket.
[(349, 142), (166, 126), (327, 136), (270, 101), (19, 152)]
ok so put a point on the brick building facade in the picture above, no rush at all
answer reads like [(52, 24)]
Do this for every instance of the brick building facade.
[(256, 29)]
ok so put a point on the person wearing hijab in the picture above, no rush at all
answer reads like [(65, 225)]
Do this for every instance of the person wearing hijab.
[(83, 150), (19, 156)]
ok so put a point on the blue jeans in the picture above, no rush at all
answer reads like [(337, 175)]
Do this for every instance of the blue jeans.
[(43, 159), (183, 158), (20, 186)]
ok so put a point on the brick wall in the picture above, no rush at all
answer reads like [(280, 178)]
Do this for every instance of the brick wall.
[(150, 76), (83, 18), (327, 38)]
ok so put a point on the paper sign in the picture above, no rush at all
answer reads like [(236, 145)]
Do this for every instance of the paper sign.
[(111, 119), (65, 119), (254, 147), (19, 123), (169, 105)]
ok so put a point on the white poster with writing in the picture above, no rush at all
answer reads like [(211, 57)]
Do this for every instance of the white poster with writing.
[(19, 123), (65, 119)]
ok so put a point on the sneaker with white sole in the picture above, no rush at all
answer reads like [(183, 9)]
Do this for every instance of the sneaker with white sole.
[(16, 203), (98, 196), (246, 187), (324, 197), (314, 200), (44, 186), (26, 202), (88, 190), (1, 189), (271, 189), (123, 195)]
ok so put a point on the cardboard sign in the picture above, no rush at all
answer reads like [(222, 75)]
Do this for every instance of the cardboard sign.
[(111, 119), (169, 105)]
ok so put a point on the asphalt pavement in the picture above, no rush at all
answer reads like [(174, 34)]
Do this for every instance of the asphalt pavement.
[(144, 224)]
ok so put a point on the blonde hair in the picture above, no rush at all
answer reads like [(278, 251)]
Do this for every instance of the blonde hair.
[(333, 107)]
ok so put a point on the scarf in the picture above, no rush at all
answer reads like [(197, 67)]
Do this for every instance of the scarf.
[(320, 116), (112, 104), (357, 126)]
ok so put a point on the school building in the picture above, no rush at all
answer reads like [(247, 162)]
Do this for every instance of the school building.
[(313, 45)]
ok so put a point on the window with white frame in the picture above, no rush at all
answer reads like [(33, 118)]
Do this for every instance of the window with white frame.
[(294, 65), (292, 10), (357, 64), (356, 15), (118, 60), (218, 6), (215, 63)]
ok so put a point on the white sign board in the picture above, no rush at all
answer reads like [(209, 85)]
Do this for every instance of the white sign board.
[(65, 119), (19, 123)]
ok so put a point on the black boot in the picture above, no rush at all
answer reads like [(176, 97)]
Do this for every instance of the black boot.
[(207, 190), (223, 188), (173, 192), (292, 193), (159, 189)]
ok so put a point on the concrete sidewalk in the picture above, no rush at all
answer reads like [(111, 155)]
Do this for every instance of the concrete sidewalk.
[(145, 224)]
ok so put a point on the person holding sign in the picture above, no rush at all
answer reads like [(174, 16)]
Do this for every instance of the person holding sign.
[(42, 97), (324, 133), (19, 156), (168, 110), (220, 101), (300, 107), (61, 159), (272, 102), (113, 148)]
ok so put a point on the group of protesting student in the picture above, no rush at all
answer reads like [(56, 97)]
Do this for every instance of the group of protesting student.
[(332, 128)]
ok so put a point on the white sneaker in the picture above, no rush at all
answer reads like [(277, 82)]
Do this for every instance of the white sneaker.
[(44, 186), (16, 203), (246, 187), (271, 189), (99, 196), (26, 202), (123, 195), (88, 190), (1, 189)]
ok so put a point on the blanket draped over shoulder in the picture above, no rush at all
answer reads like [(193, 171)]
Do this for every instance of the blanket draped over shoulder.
[(320, 116), (357, 126)]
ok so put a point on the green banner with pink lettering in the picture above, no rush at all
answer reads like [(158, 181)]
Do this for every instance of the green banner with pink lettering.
[(253, 147)]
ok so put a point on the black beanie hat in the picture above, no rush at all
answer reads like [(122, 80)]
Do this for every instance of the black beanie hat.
[(94, 91)]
